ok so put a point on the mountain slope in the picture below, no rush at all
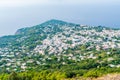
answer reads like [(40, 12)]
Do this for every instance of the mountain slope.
[(57, 41)]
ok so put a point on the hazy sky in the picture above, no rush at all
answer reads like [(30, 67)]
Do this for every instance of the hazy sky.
[(15, 14)]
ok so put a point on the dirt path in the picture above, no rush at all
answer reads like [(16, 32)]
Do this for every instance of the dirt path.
[(109, 77)]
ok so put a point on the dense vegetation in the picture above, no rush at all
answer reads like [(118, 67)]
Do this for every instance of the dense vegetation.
[(56, 71)]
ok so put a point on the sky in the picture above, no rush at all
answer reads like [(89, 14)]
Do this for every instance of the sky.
[(16, 14)]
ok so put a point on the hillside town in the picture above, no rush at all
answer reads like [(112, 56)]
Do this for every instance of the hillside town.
[(70, 38), (98, 38)]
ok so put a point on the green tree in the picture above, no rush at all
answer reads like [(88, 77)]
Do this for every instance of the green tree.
[(13, 76)]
